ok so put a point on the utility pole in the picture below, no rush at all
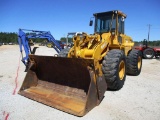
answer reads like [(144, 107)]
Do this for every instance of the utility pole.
[(149, 31)]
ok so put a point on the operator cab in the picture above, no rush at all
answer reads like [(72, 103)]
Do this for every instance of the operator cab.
[(109, 22)]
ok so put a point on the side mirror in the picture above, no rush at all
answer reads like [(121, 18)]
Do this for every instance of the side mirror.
[(91, 23)]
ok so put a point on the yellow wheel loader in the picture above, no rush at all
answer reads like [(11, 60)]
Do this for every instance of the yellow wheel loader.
[(76, 83)]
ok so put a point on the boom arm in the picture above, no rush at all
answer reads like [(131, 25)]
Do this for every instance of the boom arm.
[(23, 40)]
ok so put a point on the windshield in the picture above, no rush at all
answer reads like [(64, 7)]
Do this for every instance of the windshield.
[(103, 24)]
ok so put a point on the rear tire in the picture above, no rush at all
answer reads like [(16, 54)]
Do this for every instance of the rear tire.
[(134, 62), (114, 69), (148, 53)]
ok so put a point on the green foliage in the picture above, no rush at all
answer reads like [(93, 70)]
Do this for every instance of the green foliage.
[(8, 37), (150, 43), (154, 43)]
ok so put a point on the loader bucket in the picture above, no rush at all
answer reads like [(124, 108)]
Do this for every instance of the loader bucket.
[(67, 84)]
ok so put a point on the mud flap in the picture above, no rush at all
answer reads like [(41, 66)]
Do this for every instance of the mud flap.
[(67, 84)]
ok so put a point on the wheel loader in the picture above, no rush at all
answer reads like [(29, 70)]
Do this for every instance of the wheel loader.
[(76, 83)]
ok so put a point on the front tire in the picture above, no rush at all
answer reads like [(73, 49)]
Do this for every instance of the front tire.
[(114, 69)]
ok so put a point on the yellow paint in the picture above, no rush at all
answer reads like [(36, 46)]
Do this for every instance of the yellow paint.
[(121, 70), (139, 62), (96, 46)]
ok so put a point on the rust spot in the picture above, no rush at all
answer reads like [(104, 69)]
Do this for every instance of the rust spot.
[(63, 83)]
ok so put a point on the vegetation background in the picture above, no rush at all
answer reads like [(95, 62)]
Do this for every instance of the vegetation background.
[(13, 38)]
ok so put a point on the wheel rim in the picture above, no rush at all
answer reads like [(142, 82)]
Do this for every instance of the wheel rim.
[(121, 70), (139, 62)]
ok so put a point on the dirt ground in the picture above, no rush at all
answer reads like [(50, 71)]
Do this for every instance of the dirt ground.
[(139, 99)]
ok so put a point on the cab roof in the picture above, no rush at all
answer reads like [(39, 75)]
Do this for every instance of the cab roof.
[(110, 13)]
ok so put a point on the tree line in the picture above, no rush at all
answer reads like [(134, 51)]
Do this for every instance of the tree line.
[(12, 37), (8, 37), (150, 43)]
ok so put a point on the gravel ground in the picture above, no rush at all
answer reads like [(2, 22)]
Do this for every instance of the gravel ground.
[(138, 100)]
